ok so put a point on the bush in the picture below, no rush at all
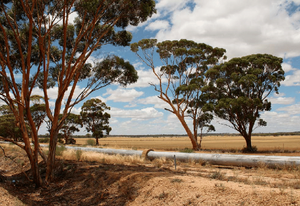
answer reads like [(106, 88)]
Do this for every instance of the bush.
[(59, 150), (91, 142), (187, 150), (44, 140), (78, 154), (252, 150)]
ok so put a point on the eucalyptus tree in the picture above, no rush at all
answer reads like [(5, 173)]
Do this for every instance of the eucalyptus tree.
[(42, 47), (181, 76), (71, 125), (95, 119), (8, 125), (239, 88)]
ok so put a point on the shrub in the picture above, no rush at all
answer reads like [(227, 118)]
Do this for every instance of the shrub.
[(44, 140), (59, 150), (252, 150), (217, 175), (187, 150), (91, 142), (78, 154)]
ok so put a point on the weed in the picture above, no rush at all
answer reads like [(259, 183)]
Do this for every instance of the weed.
[(187, 150), (159, 162), (78, 154), (176, 180), (217, 175), (59, 150), (163, 195)]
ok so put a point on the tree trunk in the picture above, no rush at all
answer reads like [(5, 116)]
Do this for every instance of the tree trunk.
[(200, 139), (51, 156), (249, 144), (97, 141), (33, 159), (189, 133)]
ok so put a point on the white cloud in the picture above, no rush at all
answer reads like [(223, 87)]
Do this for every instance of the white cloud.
[(287, 67), (241, 27), (282, 100), (147, 77), (292, 80), (157, 102), (167, 6), (122, 95), (52, 92), (158, 25), (292, 110), (136, 114), (279, 122)]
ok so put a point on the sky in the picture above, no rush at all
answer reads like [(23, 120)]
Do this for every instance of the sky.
[(241, 27)]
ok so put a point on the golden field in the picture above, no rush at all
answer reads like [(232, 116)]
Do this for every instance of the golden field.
[(209, 142)]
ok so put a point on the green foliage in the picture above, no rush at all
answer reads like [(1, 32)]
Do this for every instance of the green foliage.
[(78, 154), (44, 140), (70, 126), (90, 142), (41, 45), (187, 150), (184, 65), (95, 118), (8, 124), (239, 88), (59, 150)]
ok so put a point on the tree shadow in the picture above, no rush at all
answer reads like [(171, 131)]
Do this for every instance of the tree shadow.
[(86, 183)]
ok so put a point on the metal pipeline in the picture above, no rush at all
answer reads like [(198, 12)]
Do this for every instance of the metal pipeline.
[(216, 159)]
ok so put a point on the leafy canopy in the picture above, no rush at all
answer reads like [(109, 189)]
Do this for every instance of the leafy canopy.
[(239, 89)]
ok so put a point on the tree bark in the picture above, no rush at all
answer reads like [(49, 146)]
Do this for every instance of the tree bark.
[(188, 131), (51, 156), (33, 159), (249, 143), (97, 141)]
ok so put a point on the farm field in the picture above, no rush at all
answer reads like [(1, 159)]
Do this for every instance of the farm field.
[(263, 143)]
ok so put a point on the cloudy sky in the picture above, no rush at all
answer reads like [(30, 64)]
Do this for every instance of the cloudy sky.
[(241, 27)]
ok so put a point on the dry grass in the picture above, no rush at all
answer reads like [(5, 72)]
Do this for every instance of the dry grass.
[(102, 158), (279, 143)]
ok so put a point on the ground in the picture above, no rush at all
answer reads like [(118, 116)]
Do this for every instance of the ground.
[(148, 183)]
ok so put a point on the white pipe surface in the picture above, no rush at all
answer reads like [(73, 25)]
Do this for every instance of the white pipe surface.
[(217, 159)]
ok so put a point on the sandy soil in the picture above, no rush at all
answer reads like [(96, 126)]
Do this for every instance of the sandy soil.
[(93, 183)]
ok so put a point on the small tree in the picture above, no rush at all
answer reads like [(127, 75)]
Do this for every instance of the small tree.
[(181, 77), (239, 89), (8, 125), (70, 126), (95, 118)]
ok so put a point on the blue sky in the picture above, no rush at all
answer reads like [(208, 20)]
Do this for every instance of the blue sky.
[(241, 27)]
